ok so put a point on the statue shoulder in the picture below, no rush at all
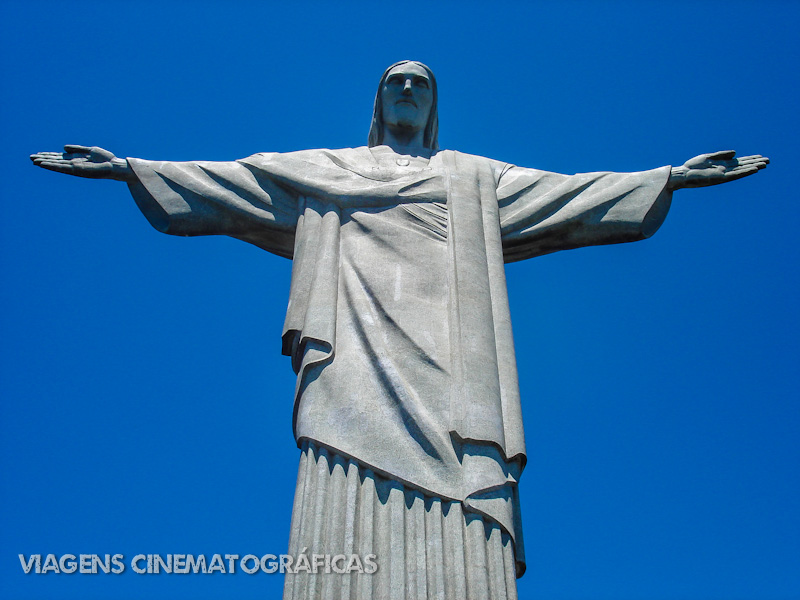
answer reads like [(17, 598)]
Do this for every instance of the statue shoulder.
[(497, 167), (317, 156)]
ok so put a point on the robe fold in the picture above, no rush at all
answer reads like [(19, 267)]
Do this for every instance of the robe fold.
[(398, 324)]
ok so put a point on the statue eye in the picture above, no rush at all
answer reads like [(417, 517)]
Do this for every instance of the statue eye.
[(394, 79), (421, 82)]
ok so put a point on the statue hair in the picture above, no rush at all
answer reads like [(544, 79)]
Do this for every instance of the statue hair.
[(431, 135)]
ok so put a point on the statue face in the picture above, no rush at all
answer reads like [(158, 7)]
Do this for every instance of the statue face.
[(407, 97)]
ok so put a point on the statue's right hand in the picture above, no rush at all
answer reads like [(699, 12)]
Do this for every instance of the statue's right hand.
[(84, 161)]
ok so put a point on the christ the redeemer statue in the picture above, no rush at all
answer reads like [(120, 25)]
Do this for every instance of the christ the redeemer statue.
[(407, 408)]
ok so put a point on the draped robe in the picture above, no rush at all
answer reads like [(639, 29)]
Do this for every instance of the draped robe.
[(398, 324)]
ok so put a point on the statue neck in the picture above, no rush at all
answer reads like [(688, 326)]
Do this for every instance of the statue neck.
[(405, 141), (392, 157)]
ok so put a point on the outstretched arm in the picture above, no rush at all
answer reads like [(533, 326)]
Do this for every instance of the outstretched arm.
[(193, 198), (83, 161), (714, 168)]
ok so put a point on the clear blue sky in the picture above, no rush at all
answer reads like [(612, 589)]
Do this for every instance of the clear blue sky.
[(145, 404)]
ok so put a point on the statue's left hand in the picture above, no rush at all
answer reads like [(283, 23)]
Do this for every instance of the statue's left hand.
[(715, 168)]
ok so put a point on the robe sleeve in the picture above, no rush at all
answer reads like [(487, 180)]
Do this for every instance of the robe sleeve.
[(216, 198), (543, 212)]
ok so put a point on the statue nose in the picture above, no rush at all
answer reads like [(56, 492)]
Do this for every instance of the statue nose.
[(407, 87)]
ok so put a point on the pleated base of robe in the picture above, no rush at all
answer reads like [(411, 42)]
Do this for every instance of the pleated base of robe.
[(426, 548)]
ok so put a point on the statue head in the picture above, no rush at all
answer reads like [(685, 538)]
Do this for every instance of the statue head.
[(377, 129)]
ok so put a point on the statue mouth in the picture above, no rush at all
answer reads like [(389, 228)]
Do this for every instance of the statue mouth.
[(406, 101)]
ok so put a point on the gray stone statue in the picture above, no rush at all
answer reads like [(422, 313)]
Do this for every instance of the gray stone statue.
[(407, 409)]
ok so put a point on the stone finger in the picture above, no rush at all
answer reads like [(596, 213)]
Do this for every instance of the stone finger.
[(72, 148)]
